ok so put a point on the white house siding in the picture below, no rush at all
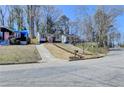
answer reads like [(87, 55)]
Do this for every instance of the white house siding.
[(64, 39), (38, 37)]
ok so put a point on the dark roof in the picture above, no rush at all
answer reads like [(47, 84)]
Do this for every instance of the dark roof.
[(5, 29)]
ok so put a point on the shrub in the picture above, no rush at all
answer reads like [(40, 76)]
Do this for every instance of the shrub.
[(34, 41), (14, 41)]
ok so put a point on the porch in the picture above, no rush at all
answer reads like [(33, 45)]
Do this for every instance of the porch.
[(5, 34)]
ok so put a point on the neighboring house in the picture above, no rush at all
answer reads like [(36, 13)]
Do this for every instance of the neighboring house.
[(59, 33), (45, 37), (70, 38), (58, 37), (9, 36), (5, 33)]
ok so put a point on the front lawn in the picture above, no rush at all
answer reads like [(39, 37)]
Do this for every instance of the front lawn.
[(66, 52), (18, 54), (93, 48), (58, 52)]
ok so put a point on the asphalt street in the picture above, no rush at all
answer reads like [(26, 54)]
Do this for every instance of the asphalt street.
[(102, 72)]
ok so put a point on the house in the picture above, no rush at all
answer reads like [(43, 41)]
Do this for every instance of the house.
[(51, 38), (58, 37), (46, 37), (9, 36), (5, 34), (59, 32)]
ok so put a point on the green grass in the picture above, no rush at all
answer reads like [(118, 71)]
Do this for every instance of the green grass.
[(18, 54)]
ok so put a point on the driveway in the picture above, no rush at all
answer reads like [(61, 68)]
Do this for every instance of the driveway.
[(102, 72)]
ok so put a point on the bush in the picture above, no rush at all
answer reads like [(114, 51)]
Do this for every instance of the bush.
[(14, 41), (34, 41), (121, 45)]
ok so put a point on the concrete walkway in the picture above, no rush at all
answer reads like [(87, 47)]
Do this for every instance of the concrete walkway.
[(46, 55)]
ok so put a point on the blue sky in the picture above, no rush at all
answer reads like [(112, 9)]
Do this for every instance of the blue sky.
[(70, 11)]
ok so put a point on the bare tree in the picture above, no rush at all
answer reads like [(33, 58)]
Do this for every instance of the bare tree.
[(19, 18), (86, 23), (50, 14), (88, 29), (104, 20), (38, 18), (3, 12), (63, 23), (30, 11), (11, 17), (74, 27)]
